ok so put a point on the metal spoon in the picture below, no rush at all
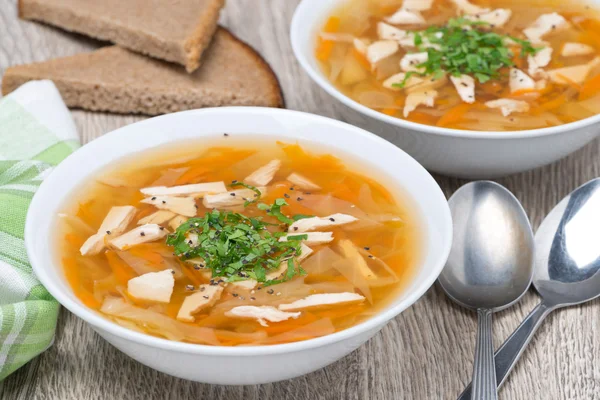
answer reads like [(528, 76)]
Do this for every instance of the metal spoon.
[(567, 268), (490, 265)]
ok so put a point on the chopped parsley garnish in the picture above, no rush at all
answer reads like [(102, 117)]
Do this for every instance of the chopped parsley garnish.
[(463, 47), (275, 211), (253, 188), (236, 247)]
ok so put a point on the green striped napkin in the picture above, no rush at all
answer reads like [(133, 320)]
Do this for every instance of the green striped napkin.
[(36, 133)]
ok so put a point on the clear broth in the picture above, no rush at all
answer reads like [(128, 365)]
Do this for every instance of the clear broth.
[(388, 228)]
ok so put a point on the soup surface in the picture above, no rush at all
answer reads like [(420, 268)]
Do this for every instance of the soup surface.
[(238, 242), (494, 65)]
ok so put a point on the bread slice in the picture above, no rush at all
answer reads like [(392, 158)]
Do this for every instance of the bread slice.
[(172, 30), (118, 80)]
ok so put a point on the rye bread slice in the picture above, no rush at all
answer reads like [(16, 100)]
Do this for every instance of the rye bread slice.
[(172, 30), (118, 80)]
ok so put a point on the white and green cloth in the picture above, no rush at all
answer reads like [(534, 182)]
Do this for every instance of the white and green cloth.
[(36, 133)]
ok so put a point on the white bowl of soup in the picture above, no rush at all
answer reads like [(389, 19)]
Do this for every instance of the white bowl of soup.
[(469, 88), (238, 245)]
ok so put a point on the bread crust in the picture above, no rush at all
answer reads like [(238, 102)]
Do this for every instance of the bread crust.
[(108, 95), (186, 51), (276, 87)]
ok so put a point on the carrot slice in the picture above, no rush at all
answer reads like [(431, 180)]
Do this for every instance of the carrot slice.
[(150, 256), (193, 175), (191, 276), (74, 240), (145, 212), (554, 103), (454, 115), (332, 24), (571, 82), (422, 118), (491, 87), (521, 92), (390, 111), (590, 88), (361, 59), (325, 47), (74, 279), (122, 271)]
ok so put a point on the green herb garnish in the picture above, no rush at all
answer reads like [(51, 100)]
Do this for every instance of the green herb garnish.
[(236, 247), (462, 47), (275, 211), (253, 188), (298, 217)]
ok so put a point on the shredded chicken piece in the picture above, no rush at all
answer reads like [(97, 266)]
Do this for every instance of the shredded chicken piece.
[(389, 32), (577, 73), (177, 221), (325, 299), (349, 250), (262, 314), (496, 18), (314, 223), (411, 62), (141, 234), (264, 175), (538, 61), (399, 78), (544, 25), (465, 86), (414, 83), (381, 49), (417, 5), (519, 80), (153, 286), (466, 7), (409, 41), (576, 49), (230, 199), (192, 190), (247, 284), (417, 98), (361, 45), (302, 182), (205, 297), (406, 17), (159, 217), (115, 223), (305, 253), (178, 205), (313, 238), (508, 106)]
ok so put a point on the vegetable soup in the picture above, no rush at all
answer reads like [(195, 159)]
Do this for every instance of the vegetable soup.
[(484, 65), (238, 242)]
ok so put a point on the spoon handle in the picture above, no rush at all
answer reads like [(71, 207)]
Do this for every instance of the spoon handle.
[(484, 373), (510, 351)]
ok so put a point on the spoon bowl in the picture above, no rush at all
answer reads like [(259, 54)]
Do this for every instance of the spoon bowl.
[(491, 260), (568, 249)]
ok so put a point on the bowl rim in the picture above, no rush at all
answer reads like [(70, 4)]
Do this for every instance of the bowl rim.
[(299, 27), (39, 261)]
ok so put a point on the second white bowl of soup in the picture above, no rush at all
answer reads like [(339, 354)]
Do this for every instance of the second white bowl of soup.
[(233, 255), (463, 100)]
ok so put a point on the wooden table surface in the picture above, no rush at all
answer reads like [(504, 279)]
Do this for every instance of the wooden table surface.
[(425, 353)]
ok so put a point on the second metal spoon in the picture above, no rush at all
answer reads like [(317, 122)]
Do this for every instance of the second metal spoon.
[(567, 268)]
